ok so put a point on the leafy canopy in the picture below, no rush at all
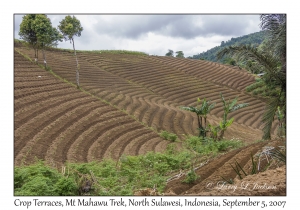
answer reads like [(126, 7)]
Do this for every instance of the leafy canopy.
[(70, 27)]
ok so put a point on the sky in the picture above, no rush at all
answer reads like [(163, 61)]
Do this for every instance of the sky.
[(155, 34)]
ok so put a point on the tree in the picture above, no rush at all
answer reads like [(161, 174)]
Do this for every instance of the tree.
[(170, 53), (28, 34), (46, 34), (228, 107), (179, 54), (272, 61), (201, 112), (70, 27)]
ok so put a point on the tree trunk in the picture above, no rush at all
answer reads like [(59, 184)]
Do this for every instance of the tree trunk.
[(45, 62), (77, 66)]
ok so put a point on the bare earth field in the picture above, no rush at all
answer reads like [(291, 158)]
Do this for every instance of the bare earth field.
[(126, 101)]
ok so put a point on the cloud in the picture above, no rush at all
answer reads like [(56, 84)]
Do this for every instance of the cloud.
[(155, 34), (183, 26)]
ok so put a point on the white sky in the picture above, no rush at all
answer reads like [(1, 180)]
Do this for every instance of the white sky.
[(155, 34)]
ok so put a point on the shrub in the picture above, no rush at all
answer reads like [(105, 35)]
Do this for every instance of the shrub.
[(191, 177), (168, 136), (206, 146)]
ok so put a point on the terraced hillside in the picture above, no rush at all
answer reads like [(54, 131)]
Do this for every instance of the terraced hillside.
[(149, 89), (56, 122)]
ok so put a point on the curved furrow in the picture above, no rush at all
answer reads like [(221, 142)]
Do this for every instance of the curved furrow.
[(28, 83), (116, 148), (231, 80), (154, 144), (170, 116), (168, 124), (170, 91), (117, 100), (116, 129), (243, 117), (133, 147), (256, 121), (20, 139), (60, 125), (153, 114), (257, 116), (158, 121), (18, 94), (138, 145), (178, 128), (133, 106), (29, 100), (29, 112), (159, 146), (59, 149), (96, 130), (145, 106), (125, 103), (187, 122)]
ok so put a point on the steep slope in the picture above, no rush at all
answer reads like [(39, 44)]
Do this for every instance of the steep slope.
[(56, 122)]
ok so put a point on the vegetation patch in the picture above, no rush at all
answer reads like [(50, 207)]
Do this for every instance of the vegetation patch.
[(207, 146), (168, 136), (107, 177)]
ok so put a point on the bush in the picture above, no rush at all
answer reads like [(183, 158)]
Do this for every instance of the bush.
[(206, 146), (168, 136), (191, 177)]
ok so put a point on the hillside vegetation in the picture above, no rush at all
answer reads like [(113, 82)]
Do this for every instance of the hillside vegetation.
[(211, 54)]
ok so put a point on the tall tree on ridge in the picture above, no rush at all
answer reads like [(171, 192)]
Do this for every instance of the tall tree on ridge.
[(28, 34), (70, 27), (46, 34)]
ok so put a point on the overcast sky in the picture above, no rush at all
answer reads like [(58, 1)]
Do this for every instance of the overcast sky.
[(155, 34)]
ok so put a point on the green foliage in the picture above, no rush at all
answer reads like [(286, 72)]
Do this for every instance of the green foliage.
[(191, 177), (70, 27), (228, 107), (170, 53), (27, 32), (41, 180), (201, 112), (207, 146), (211, 54), (37, 30), (179, 54), (46, 34), (278, 154), (237, 169), (168, 136), (241, 172), (107, 177), (269, 58)]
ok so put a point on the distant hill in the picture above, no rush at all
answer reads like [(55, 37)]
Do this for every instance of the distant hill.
[(210, 55)]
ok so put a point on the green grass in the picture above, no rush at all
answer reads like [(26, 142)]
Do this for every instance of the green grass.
[(168, 136), (122, 177), (109, 177), (208, 146)]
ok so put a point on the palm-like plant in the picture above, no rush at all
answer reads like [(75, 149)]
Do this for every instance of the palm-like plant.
[(201, 112), (271, 60), (228, 106)]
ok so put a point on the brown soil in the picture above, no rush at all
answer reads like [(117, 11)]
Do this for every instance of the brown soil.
[(269, 182), (56, 122)]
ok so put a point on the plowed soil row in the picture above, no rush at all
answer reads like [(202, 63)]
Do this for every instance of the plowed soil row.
[(58, 123), (152, 91), (210, 181)]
